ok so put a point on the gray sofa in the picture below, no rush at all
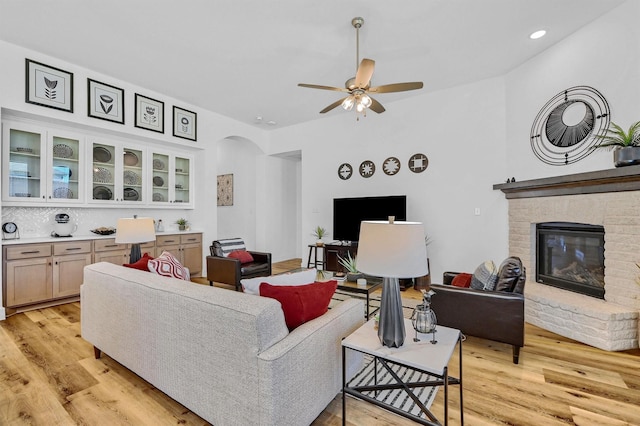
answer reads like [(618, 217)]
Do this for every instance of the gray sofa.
[(227, 356)]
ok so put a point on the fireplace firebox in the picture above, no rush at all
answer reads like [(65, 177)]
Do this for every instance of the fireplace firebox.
[(571, 256)]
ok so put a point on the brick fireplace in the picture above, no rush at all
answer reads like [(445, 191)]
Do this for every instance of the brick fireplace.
[(609, 198)]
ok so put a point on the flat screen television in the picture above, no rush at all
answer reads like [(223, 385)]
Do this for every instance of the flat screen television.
[(349, 212)]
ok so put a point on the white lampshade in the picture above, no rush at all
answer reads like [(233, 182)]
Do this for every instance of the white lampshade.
[(393, 250), (135, 230)]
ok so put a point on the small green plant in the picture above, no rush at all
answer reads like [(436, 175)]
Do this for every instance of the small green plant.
[(349, 263), (319, 232), (615, 137), (182, 222)]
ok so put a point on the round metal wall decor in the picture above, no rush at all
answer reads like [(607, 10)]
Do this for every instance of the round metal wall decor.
[(367, 169), (564, 130), (345, 171), (418, 163), (391, 166)]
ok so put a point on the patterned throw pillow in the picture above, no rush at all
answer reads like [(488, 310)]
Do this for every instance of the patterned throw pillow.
[(168, 266), (485, 276)]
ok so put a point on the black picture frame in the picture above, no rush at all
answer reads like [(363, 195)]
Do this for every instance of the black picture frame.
[(48, 86), (185, 123), (105, 102), (149, 113)]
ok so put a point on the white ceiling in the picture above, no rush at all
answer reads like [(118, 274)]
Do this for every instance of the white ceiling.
[(244, 58)]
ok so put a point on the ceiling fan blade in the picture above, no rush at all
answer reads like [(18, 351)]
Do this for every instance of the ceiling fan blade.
[(316, 86), (376, 106), (396, 87), (333, 105), (364, 73)]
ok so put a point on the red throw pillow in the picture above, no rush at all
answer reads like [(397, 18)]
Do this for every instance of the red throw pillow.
[(301, 303), (242, 255), (462, 280), (142, 263)]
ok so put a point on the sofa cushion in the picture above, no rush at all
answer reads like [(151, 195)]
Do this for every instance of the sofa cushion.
[(142, 263), (510, 272), (462, 280), (301, 303), (485, 276), (168, 266), (252, 285), (222, 248), (242, 255)]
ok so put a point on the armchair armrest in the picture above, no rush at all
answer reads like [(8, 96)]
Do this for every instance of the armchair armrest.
[(223, 270), (261, 257)]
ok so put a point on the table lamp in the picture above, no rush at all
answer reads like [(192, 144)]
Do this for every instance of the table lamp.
[(392, 250), (135, 231)]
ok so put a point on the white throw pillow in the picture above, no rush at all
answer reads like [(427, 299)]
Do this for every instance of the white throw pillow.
[(252, 285)]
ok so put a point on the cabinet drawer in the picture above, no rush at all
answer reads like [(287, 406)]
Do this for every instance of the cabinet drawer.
[(28, 251), (108, 245), (190, 238), (167, 240), (72, 247), (149, 245)]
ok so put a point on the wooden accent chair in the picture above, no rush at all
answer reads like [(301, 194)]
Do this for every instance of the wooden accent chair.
[(229, 270)]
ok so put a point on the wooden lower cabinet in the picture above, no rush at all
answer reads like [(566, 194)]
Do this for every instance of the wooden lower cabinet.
[(187, 248), (44, 272)]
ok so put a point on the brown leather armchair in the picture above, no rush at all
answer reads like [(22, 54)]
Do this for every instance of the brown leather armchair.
[(230, 271), (493, 315)]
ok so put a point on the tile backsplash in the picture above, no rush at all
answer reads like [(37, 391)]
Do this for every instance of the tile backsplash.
[(36, 222)]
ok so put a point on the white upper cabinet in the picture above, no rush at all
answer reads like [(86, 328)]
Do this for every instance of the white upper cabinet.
[(41, 166), (53, 166)]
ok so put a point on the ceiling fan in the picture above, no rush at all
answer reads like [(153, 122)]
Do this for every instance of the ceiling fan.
[(358, 87)]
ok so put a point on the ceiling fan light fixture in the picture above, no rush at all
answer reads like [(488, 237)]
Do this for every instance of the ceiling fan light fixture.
[(360, 107), (365, 101), (348, 103)]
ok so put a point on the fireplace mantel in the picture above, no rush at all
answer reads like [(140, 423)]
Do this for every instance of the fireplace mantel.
[(611, 180)]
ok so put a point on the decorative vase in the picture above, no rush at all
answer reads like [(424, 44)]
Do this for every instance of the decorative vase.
[(626, 156), (182, 227), (320, 243), (353, 276)]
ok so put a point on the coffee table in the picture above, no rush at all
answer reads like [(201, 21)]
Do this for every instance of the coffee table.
[(422, 356), (370, 287)]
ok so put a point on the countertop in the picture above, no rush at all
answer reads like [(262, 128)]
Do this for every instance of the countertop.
[(50, 239)]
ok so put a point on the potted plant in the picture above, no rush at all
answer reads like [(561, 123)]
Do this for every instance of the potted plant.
[(424, 282), (349, 264), (319, 233), (182, 223), (626, 145)]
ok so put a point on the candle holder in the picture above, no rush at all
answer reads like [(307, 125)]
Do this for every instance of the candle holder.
[(423, 318)]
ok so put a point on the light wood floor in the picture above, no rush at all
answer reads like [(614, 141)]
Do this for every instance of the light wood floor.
[(48, 375)]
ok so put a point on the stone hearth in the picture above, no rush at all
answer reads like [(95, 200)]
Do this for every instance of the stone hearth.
[(607, 198)]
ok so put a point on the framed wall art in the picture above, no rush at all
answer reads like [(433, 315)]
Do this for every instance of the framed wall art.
[(225, 190), (149, 114), (48, 86), (185, 123), (105, 102)]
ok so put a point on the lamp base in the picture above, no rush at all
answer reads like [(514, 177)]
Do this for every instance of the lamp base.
[(135, 253), (391, 326)]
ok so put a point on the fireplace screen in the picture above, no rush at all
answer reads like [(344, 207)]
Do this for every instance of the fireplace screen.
[(571, 256)]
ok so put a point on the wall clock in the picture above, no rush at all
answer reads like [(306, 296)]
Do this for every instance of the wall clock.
[(10, 231), (564, 130)]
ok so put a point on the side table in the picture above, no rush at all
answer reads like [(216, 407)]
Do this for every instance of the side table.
[(313, 249), (422, 356)]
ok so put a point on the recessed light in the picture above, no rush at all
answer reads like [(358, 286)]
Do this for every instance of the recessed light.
[(537, 34)]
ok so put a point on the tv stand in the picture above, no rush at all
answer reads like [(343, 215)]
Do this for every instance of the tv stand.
[(334, 250)]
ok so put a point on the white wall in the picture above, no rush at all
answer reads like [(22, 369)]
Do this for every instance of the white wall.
[(603, 55), (461, 131)]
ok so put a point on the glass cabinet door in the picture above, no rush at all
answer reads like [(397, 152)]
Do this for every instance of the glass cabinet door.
[(182, 180), (132, 176), (160, 179), (25, 167), (104, 172), (65, 173)]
